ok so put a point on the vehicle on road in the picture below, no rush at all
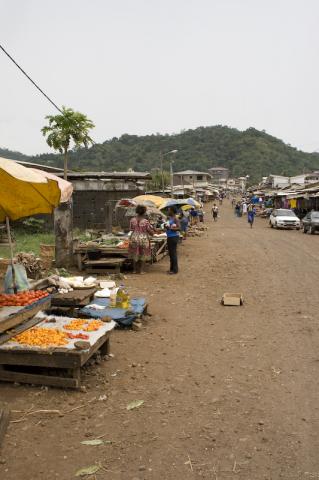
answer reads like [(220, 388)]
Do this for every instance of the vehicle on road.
[(284, 218), (310, 223)]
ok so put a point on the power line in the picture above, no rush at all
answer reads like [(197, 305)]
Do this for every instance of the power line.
[(29, 78)]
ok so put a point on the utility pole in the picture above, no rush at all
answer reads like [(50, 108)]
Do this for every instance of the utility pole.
[(171, 169), (162, 172), (172, 177)]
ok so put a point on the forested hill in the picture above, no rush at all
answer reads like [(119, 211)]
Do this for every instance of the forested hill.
[(251, 152)]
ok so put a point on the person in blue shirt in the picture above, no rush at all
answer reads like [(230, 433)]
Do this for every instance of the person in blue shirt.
[(172, 232), (194, 216), (251, 215)]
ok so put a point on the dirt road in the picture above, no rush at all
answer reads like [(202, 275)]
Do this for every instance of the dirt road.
[(229, 392)]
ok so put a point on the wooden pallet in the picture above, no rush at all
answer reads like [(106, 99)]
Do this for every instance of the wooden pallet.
[(58, 367)]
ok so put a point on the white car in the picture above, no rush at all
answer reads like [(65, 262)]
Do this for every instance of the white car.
[(284, 218)]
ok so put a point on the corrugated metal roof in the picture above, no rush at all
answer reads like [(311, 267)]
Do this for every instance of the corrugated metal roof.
[(108, 175), (191, 172)]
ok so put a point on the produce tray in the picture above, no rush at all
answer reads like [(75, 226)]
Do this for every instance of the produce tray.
[(13, 316), (75, 298)]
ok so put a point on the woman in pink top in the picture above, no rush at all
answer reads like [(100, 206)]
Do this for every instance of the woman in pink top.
[(140, 245)]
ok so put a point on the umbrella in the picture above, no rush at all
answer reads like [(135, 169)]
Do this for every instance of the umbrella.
[(174, 202), (23, 193), (157, 201), (194, 203)]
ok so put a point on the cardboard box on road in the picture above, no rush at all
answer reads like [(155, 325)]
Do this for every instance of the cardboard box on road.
[(233, 299)]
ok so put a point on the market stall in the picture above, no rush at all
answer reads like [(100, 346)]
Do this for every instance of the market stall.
[(41, 346), (56, 349), (111, 252)]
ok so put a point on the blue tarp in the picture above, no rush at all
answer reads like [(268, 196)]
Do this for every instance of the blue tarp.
[(122, 316)]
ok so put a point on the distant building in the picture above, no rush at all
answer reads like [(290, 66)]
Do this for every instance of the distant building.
[(280, 181), (192, 177), (219, 174), (276, 181)]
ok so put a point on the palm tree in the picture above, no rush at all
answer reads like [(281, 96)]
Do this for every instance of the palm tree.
[(67, 127)]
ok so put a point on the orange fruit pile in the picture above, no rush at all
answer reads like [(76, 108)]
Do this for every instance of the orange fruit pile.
[(75, 324), (42, 337), (93, 325), (85, 325)]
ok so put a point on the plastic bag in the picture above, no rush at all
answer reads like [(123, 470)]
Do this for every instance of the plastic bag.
[(21, 279)]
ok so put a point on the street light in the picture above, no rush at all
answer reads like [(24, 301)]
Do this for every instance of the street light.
[(162, 155)]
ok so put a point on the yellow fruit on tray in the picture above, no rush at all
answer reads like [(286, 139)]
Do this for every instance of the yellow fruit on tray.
[(93, 325), (42, 337), (85, 325), (75, 324)]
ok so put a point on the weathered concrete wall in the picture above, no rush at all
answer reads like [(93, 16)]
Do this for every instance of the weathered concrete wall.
[(90, 207)]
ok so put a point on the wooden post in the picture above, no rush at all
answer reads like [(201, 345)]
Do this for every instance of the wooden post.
[(63, 229), (109, 216)]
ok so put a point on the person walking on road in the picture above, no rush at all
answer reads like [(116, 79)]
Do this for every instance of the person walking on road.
[(172, 232), (244, 207), (251, 215), (215, 212), (237, 209)]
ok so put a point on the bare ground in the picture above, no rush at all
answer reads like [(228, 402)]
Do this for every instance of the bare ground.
[(229, 392)]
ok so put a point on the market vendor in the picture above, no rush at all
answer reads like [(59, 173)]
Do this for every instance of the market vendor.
[(139, 249), (184, 225), (194, 216), (172, 231)]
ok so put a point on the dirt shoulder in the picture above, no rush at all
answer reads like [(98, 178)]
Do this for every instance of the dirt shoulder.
[(229, 393)]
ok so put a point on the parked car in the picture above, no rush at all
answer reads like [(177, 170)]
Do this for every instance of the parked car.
[(310, 222), (284, 218)]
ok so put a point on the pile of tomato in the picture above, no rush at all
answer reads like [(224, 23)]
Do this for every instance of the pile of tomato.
[(21, 299)]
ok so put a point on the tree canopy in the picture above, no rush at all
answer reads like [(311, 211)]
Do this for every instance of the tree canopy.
[(67, 127), (250, 152)]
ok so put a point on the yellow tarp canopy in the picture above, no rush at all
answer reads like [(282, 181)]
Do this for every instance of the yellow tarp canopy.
[(24, 192)]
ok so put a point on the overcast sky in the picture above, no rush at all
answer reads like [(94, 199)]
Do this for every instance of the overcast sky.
[(147, 66)]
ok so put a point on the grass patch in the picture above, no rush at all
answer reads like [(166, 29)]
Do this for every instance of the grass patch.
[(28, 242)]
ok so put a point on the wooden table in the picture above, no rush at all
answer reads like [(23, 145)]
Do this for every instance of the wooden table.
[(54, 361), (115, 254)]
